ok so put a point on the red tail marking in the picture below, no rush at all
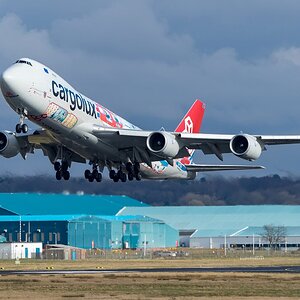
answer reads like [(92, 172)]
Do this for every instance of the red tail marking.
[(192, 121)]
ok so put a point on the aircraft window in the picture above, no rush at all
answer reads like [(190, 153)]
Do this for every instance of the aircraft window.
[(20, 61)]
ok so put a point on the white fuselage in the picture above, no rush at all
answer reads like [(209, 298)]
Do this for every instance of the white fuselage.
[(50, 102)]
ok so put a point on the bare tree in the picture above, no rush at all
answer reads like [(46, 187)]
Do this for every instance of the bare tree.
[(274, 235)]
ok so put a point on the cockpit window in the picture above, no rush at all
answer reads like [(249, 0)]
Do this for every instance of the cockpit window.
[(20, 61)]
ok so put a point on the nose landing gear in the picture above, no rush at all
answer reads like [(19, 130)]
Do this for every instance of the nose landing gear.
[(21, 126)]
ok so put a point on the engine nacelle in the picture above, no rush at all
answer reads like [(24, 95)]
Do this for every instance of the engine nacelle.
[(9, 145), (246, 146), (163, 144)]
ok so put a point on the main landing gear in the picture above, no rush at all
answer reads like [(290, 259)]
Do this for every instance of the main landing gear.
[(125, 172), (133, 171), (62, 170), (93, 175), (21, 127)]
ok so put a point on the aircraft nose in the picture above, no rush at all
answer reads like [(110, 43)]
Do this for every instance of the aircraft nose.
[(10, 80), (7, 77)]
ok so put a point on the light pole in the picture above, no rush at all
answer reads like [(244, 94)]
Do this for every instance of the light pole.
[(145, 245), (28, 232), (285, 245), (253, 247), (20, 230), (38, 234)]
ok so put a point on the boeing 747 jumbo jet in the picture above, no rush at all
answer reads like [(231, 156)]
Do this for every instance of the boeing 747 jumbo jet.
[(75, 128)]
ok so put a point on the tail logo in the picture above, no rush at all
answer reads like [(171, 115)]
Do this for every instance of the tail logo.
[(189, 126)]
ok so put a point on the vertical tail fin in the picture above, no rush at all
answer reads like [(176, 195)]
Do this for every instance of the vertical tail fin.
[(191, 123)]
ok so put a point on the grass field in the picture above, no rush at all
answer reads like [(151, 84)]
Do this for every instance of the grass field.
[(150, 285)]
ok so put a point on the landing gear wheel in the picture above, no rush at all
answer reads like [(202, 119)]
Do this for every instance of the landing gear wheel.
[(116, 178), (66, 175), (123, 177), (130, 176), (91, 178), (57, 166), (87, 174), (64, 165), (136, 168), (129, 167), (112, 174), (138, 176), (18, 128), (58, 175), (24, 128), (99, 177)]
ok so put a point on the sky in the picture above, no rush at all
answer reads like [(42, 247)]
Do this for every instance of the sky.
[(149, 60)]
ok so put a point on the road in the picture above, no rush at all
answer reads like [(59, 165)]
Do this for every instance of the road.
[(264, 269)]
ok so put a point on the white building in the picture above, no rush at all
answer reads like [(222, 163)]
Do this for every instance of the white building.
[(20, 250)]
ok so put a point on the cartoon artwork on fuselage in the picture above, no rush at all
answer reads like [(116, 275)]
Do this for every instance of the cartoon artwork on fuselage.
[(61, 115)]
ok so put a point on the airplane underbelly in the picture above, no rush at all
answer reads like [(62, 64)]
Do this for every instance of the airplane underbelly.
[(88, 146)]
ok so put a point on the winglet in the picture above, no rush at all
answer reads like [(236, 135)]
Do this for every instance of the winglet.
[(192, 121)]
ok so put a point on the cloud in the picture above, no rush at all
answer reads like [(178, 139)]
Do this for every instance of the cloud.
[(123, 32), (21, 41), (149, 60), (126, 58), (290, 55)]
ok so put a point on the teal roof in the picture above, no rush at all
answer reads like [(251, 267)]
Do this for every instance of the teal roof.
[(37, 218), (53, 204), (45, 218), (123, 218), (220, 220), (2, 239)]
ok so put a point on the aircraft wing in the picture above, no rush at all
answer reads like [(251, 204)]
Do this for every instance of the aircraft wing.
[(197, 139), (209, 143), (209, 168)]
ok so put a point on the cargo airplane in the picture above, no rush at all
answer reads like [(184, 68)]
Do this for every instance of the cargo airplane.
[(74, 128)]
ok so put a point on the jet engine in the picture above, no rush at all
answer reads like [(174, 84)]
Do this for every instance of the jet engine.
[(163, 144), (246, 146), (9, 145)]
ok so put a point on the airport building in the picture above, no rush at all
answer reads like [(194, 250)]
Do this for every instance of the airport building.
[(20, 250), (83, 221), (235, 226), (120, 222)]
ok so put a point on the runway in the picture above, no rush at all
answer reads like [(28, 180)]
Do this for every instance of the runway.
[(281, 269)]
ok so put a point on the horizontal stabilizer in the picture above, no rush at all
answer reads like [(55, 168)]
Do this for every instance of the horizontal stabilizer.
[(208, 168)]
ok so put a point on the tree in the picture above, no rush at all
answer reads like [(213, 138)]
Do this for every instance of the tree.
[(274, 235)]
